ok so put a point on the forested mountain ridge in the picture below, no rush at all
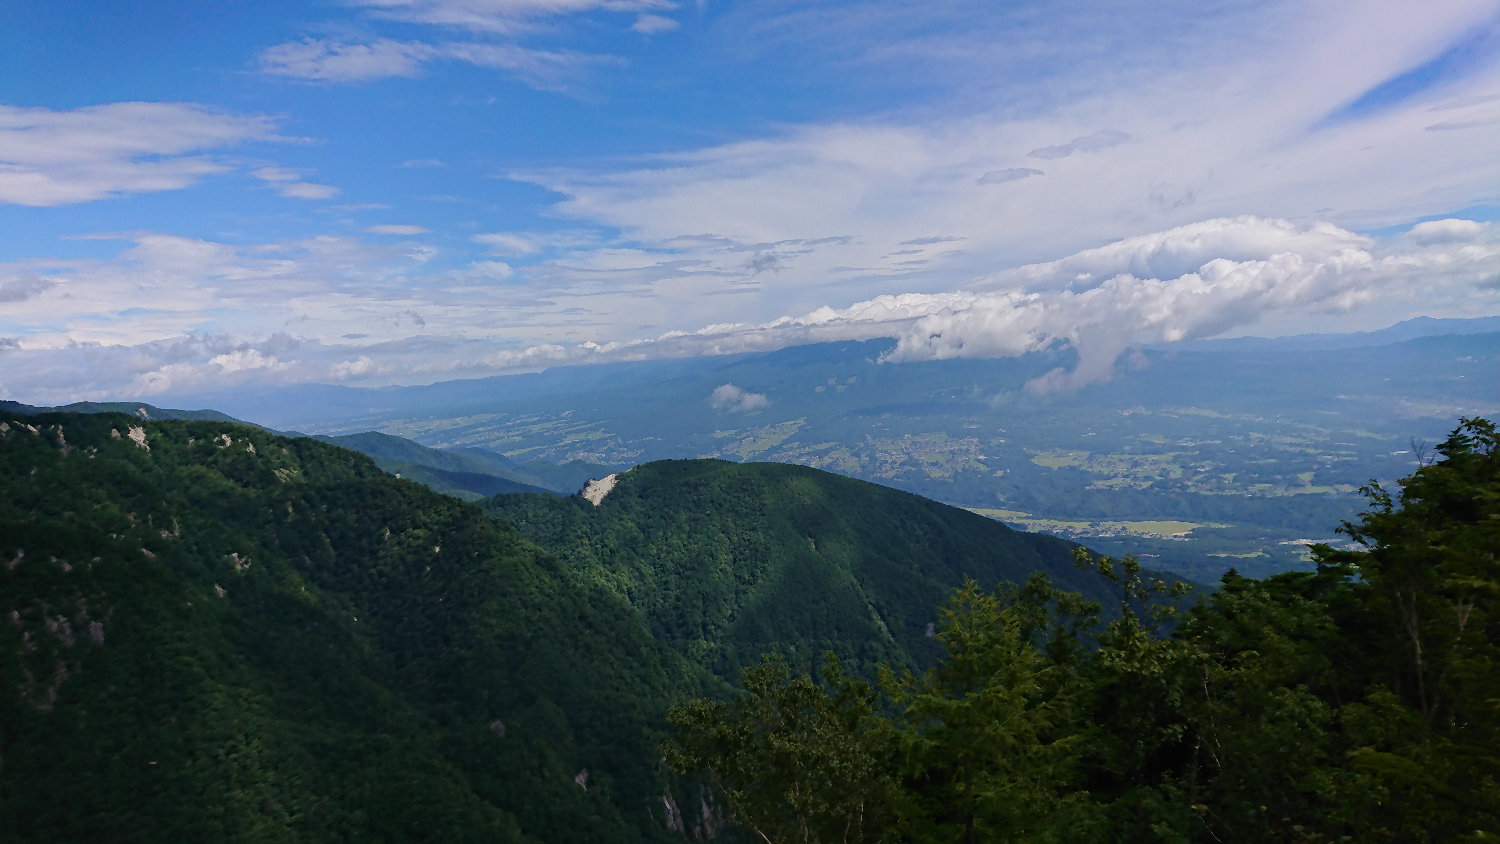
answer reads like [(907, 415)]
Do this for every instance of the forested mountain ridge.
[(1356, 702), (727, 561), (213, 633), (138, 409)]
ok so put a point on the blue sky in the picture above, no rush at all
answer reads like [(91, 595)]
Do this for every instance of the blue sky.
[(199, 194)]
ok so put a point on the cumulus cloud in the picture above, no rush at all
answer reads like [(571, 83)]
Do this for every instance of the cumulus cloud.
[(731, 398), (50, 158), (398, 230), (1276, 269), (344, 370), (134, 327)]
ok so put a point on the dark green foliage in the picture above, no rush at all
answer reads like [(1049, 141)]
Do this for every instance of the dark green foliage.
[(221, 634), (796, 764), (727, 561), (1354, 703), (984, 743)]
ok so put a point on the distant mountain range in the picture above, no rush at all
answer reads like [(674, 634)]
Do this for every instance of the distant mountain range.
[(1207, 455), (1410, 329)]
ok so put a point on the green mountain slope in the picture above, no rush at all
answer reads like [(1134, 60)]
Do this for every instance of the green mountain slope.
[(211, 633), (726, 561)]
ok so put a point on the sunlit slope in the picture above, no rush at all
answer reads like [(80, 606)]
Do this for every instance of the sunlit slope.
[(726, 561), (214, 633)]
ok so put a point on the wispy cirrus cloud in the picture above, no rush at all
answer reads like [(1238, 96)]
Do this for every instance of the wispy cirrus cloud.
[(652, 24), (1207, 133), (50, 158), (319, 60), (501, 16), (288, 182)]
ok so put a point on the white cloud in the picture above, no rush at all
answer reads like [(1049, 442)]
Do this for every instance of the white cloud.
[(318, 60), (137, 325), (422, 163), (305, 190), (652, 24), (503, 16), (398, 229), (490, 269), (241, 360), (530, 243), (1224, 115), (331, 61), (50, 158), (344, 370), (731, 398), (22, 286), (288, 183)]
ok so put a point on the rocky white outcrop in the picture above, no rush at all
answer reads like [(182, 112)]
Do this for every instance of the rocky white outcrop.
[(595, 491)]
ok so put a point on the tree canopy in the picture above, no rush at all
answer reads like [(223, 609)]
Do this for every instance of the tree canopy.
[(1357, 702)]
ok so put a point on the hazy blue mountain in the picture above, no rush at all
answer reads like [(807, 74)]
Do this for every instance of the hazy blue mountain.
[(1410, 329), (491, 458)]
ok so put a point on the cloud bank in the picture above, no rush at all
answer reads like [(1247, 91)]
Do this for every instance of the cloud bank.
[(1202, 280)]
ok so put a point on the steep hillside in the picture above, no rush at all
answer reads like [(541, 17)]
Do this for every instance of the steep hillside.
[(213, 633), (726, 561)]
